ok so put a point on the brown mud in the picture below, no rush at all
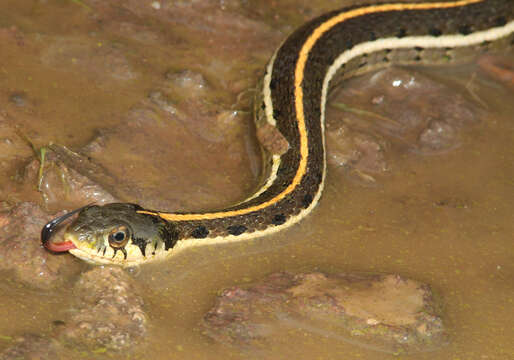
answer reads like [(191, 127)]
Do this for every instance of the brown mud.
[(150, 102)]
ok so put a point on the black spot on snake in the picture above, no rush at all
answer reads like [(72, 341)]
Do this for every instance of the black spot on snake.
[(140, 244), (465, 29), (500, 21), (435, 32), (278, 219), (307, 199), (169, 235), (236, 229), (200, 232)]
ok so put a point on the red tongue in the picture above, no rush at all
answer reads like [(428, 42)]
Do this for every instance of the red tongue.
[(60, 247)]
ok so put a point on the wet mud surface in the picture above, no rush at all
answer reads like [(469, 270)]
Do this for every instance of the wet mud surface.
[(150, 102)]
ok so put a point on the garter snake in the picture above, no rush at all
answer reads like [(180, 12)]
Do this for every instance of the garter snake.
[(292, 101)]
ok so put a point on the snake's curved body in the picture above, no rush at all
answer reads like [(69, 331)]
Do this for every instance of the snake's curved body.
[(292, 102)]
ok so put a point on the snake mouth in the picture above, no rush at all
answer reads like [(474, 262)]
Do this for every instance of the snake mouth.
[(51, 227), (60, 246)]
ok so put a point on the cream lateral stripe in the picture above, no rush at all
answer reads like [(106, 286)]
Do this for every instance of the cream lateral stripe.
[(275, 160), (447, 41), (300, 116), (266, 91), (268, 108)]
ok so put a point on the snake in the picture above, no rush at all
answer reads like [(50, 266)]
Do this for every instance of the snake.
[(290, 106)]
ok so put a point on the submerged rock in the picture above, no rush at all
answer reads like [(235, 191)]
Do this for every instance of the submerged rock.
[(107, 316), (382, 312), (66, 177), (498, 68), (395, 109), (22, 253), (109, 313)]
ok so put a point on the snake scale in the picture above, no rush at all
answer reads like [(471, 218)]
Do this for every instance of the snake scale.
[(292, 101)]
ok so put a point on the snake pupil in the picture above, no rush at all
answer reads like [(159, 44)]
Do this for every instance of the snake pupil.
[(119, 236)]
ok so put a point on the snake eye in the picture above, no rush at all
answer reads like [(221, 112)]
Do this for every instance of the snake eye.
[(118, 237)]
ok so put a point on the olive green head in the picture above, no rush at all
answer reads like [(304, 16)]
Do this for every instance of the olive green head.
[(118, 234)]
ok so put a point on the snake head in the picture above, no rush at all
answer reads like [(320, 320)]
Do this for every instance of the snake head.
[(113, 234)]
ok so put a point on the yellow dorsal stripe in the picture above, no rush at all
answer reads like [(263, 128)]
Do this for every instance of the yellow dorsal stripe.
[(300, 116)]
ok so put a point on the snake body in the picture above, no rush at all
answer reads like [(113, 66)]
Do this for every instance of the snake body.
[(292, 103)]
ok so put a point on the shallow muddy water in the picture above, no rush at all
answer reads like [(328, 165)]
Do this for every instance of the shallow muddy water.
[(82, 74)]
